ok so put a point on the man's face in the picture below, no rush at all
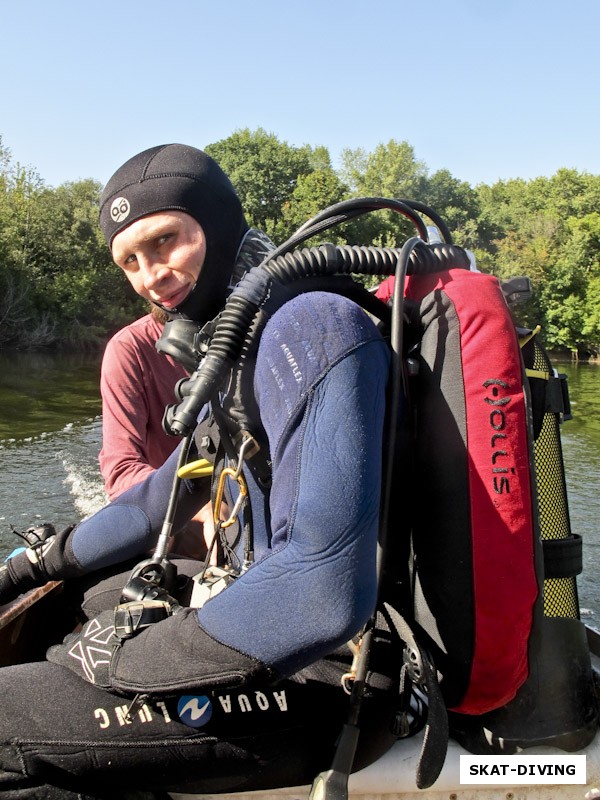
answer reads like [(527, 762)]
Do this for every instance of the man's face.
[(161, 255)]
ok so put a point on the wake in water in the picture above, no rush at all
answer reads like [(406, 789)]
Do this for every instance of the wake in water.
[(52, 477), (82, 474)]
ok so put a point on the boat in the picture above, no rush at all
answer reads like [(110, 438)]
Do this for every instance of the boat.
[(29, 624)]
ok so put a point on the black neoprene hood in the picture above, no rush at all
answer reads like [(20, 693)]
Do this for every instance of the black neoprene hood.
[(176, 177)]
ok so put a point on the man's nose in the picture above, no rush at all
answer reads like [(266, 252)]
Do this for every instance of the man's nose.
[(153, 272)]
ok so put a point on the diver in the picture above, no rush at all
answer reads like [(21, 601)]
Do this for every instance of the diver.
[(244, 691)]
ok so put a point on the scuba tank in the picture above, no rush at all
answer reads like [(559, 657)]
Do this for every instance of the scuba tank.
[(557, 705)]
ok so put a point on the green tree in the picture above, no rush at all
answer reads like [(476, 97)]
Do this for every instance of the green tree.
[(591, 325), (58, 284), (458, 205), (393, 171), (20, 190), (57, 281), (570, 295), (265, 173), (313, 193), (80, 283), (535, 232), (390, 171)]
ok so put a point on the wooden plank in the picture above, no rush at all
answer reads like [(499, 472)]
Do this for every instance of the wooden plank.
[(32, 622)]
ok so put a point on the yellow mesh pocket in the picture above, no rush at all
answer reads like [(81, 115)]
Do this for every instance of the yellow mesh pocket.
[(560, 594)]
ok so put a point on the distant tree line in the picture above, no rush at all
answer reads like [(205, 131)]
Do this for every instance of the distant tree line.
[(59, 288)]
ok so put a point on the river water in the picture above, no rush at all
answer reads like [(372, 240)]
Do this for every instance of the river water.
[(50, 436)]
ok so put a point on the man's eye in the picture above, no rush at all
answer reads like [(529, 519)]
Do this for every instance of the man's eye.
[(165, 238), (130, 260)]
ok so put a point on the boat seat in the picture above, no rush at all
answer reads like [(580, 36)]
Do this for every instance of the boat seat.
[(392, 777)]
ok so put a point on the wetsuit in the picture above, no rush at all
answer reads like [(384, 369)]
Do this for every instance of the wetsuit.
[(320, 381)]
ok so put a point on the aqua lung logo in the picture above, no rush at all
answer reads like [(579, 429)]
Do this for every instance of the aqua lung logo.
[(194, 710), (502, 458), (120, 209)]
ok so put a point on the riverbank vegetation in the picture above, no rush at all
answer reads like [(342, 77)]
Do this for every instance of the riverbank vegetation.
[(59, 288)]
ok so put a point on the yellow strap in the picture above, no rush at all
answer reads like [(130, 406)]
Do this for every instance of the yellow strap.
[(524, 339), (534, 373), (196, 469), (538, 373)]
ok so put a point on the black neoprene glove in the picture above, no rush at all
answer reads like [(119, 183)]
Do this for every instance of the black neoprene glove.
[(49, 557), (89, 652), (167, 657), (8, 589)]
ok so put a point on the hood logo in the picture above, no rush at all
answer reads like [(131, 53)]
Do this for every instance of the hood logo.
[(120, 209), (194, 710)]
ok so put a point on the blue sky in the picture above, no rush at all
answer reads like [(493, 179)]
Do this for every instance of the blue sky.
[(488, 89)]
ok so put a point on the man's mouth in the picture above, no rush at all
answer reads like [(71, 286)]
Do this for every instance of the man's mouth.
[(173, 300)]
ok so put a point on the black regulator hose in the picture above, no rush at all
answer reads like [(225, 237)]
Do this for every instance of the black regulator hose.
[(348, 209), (434, 217), (252, 291)]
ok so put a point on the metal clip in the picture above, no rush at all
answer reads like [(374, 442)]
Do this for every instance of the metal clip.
[(136, 704), (231, 473), (349, 677), (248, 448)]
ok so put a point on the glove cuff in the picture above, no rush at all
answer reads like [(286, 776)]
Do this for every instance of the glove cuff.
[(178, 655), (11, 588), (50, 559), (24, 573)]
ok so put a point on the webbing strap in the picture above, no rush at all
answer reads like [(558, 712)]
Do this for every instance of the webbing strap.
[(556, 393), (435, 741), (563, 558)]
